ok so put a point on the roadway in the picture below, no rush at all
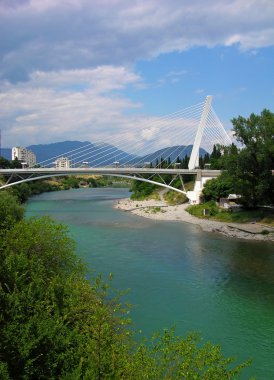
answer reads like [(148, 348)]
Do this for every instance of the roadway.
[(108, 171)]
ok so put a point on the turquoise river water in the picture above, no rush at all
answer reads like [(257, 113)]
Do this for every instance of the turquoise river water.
[(177, 274)]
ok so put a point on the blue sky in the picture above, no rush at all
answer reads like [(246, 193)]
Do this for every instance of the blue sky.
[(240, 82), (88, 69)]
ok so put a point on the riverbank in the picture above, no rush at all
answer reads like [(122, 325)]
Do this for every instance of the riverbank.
[(159, 210)]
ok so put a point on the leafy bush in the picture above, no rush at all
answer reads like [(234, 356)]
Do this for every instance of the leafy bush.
[(10, 211), (198, 210), (142, 190), (174, 198), (217, 188)]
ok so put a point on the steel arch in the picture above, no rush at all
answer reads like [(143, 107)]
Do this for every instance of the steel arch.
[(110, 175)]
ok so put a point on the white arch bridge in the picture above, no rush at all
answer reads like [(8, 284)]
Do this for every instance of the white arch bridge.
[(150, 143), (17, 176)]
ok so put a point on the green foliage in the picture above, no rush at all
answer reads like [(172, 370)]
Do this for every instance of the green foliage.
[(198, 210), (167, 356), (52, 318), (184, 162), (4, 163), (219, 187), (263, 216), (204, 160), (4, 371), (174, 198), (92, 182), (38, 187), (141, 190), (33, 271), (250, 167), (70, 182), (215, 157), (24, 191), (247, 216), (57, 324), (8, 164), (248, 170), (10, 211), (16, 164)]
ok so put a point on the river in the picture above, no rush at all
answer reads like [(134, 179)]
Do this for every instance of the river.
[(177, 274)]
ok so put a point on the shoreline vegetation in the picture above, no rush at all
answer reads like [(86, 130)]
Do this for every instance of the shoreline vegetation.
[(158, 205), (160, 210), (24, 191)]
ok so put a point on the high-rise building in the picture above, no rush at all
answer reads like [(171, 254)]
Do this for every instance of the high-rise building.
[(24, 155)]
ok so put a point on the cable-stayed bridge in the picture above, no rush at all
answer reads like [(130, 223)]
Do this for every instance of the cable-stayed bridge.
[(139, 152)]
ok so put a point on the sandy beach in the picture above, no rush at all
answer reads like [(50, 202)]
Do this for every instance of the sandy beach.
[(159, 210)]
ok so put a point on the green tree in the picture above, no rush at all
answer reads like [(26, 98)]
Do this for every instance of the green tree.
[(52, 318), (167, 356), (36, 263), (4, 163), (250, 168), (185, 162), (204, 160), (70, 182), (141, 190), (22, 191), (10, 211), (219, 187), (15, 164), (215, 157)]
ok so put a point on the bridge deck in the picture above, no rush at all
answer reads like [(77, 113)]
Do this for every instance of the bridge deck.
[(108, 171)]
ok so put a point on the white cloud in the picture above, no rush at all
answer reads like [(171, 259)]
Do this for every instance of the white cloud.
[(200, 91), (100, 79), (149, 133), (66, 104), (49, 35), (54, 106)]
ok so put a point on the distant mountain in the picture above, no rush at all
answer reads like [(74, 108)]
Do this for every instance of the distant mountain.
[(6, 153), (79, 152), (47, 151), (100, 154), (172, 152)]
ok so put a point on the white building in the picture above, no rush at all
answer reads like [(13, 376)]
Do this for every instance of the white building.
[(62, 163), (23, 155)]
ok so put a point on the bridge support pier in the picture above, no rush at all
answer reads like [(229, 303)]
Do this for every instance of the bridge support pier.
[(202, 177), (195, 194)]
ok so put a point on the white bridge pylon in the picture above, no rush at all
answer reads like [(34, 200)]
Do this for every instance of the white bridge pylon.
[(139, 152), (194, 157)]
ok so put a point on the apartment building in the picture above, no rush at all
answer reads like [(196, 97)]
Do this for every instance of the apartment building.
[(62, 163), (24, 155)]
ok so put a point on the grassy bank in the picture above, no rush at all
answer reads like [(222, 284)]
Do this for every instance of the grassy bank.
[(259, 215)]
